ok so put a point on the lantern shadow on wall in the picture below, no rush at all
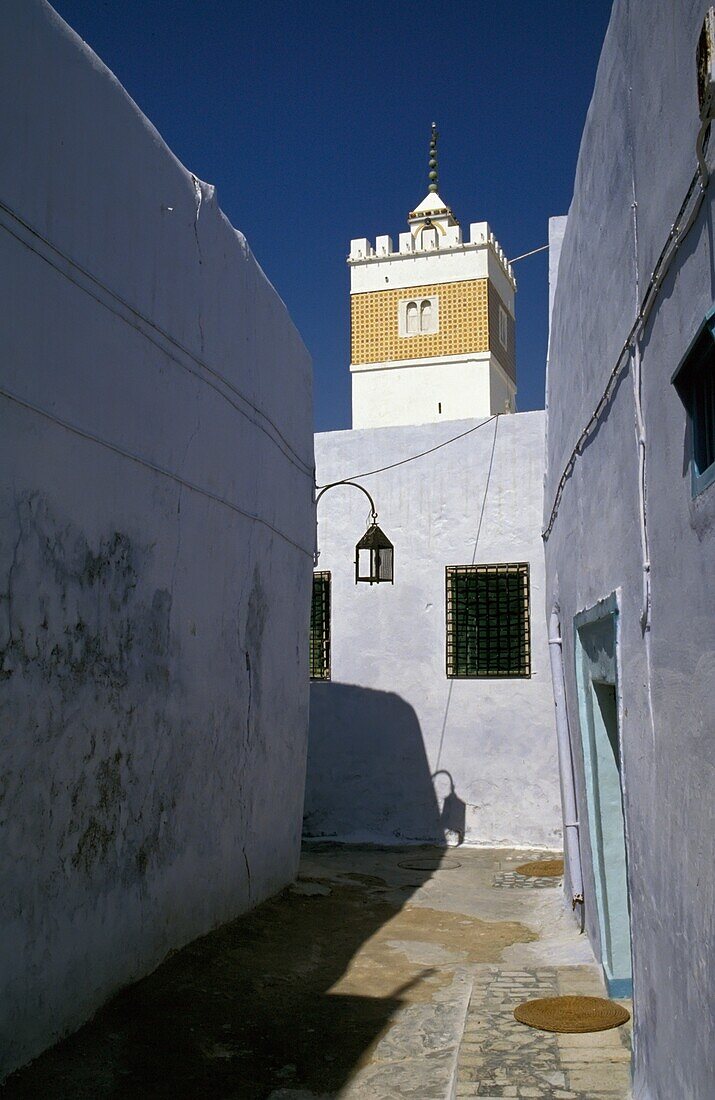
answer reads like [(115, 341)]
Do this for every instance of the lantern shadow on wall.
[(453, 811)]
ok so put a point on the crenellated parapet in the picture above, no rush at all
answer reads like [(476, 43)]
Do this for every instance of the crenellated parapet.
[(428, 236), (432, 331)]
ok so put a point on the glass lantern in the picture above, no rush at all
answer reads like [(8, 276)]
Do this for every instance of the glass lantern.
[(374, 557)]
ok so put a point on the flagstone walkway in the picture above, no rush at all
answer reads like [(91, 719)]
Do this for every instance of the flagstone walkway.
[(499, 1057), (380, 974)]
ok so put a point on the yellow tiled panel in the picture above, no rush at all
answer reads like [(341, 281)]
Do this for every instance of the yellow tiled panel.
[(463, 322)]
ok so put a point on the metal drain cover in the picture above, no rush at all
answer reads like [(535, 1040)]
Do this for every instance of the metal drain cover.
[(430, 864)]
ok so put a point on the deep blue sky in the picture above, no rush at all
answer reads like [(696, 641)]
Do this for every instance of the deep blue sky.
[(312, 119)]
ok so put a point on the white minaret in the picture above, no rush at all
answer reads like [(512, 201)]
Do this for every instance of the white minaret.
[(432, 325)]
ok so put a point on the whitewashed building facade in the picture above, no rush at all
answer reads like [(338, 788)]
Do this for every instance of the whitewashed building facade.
[(155, 547), (629, 519), (431, 705)]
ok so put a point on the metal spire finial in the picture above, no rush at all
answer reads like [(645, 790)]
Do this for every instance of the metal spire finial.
[(433, 180)]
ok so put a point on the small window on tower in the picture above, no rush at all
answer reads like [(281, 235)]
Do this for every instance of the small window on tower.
[(418, 318), (503, 328)]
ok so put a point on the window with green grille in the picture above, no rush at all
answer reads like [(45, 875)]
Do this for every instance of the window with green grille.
[(488, 621), (320, 628)]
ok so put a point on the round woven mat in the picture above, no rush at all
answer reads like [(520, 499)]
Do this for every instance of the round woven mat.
[(571, 1014), (542, 868)]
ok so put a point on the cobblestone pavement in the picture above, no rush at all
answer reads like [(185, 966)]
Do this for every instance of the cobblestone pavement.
[(380, 974), (500, 1057), (512, 880)]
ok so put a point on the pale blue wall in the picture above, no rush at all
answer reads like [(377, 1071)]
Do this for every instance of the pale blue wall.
[(153, 657), (639, 146), (372, 752)]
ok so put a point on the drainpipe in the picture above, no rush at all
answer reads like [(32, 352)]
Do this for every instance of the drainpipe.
[(568, 785)]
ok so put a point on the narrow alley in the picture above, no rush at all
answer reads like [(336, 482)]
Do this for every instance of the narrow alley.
[(380, 973), (357, 632)]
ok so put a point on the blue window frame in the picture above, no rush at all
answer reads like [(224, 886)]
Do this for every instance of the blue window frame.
[(695, 382)]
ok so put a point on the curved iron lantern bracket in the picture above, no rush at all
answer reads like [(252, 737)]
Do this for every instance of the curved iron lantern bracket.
[(374, 553), (332, 485)]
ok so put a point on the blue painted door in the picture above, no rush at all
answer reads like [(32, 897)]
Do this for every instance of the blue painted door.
[(598, 706)]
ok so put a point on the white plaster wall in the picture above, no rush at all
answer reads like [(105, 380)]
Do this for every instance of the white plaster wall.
[(398, 394), (390, 717), (450, 265), (639, 145), (502, 391), (154, 672)]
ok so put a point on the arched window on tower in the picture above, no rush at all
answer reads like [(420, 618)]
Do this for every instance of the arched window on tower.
[(418, 317)]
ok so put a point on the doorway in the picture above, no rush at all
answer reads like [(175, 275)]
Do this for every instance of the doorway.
[(597, 680)]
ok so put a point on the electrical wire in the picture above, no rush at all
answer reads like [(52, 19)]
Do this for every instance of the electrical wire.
[(474, 558), (83, 433), (678, 232), (412, 458), (284, 446), (541, 248)]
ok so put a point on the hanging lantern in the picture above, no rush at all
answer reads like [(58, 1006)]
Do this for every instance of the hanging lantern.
[(374, 557)]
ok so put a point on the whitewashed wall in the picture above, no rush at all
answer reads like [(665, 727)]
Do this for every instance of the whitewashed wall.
[(424, 392), (390, 718), (154, 671), (639, 147)]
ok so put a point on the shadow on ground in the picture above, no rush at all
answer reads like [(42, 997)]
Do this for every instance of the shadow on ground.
[(294, 999), (244, 1011)]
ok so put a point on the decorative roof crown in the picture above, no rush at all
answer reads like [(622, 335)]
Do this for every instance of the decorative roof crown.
[(433, 178), (432, 206)]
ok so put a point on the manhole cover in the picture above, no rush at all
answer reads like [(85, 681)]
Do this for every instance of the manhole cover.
[(430, 864)]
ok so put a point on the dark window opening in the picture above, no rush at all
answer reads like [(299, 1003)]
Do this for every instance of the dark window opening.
[(488, 632), (695, 383), (320, 628)]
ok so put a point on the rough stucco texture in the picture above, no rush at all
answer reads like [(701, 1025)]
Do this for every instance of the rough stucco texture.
[(639, 145), (390, 718), (153, 664)]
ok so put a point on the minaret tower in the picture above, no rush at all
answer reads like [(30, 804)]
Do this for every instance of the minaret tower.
[(432, 325)]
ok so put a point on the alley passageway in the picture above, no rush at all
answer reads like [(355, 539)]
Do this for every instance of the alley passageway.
[(380, 973)]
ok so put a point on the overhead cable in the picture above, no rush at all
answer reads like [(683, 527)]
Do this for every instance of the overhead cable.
[(411, 458), (474, 558), (84, 433), (524, 255), (135, 315), (678, 232)]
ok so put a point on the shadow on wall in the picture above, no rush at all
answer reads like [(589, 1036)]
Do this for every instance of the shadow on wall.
[(272, 1005), (267, 1007), (368, 775)]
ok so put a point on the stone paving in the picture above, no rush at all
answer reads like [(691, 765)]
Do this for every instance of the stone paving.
[(500, 1057), (380, 974), (513, 880)]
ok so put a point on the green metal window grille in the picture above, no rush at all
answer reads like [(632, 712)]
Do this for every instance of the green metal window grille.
[(320, 628), (488, 621)]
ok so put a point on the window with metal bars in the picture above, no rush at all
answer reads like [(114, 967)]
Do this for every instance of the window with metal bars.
[(488, 631), (320, 628), (695, 383)]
